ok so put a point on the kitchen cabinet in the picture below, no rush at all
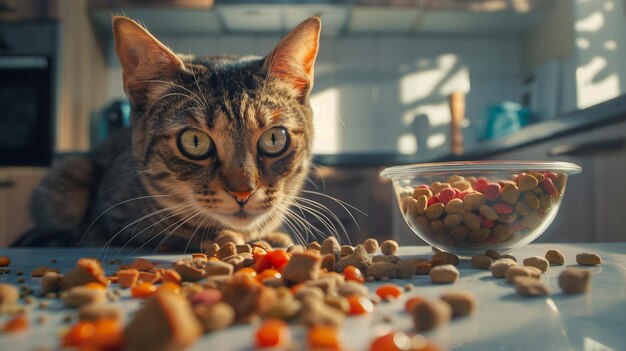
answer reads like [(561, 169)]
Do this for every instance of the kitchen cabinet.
[(16, 186)]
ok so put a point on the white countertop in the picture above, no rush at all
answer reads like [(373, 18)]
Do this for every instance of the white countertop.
[(503, 321)]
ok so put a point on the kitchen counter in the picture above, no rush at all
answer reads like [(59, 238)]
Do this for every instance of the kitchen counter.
[(504, 320), (608, 112)]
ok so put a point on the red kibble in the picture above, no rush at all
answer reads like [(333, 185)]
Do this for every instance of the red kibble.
[(446, 195), (503, 208), (550, 175), (423, 186), (492, 191), (487, 223), (389, 290), (432, 200), (262, 262), (549, 186), (515, 226), (481, 184), (279, 258), (462, 194)]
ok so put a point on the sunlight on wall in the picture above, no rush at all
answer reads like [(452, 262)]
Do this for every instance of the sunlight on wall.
[(438, 114), (422, 84), (407, 144), (436, 140), (325, 106), (591, 23), (592, 92)]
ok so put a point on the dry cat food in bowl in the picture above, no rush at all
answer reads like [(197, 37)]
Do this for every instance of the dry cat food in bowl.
[(469, 207)]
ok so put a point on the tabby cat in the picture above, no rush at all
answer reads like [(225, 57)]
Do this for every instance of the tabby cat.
[(218, 149)]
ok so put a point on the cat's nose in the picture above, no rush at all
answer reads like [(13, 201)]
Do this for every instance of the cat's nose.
[(242, 196)]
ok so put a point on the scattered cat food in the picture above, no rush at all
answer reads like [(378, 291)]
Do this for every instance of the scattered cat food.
[(87, 270), (8, 294), (4, 261), (389, 247), (16, 324), (555, 257), (444, 274), (588, 259), (330, 246), (82, 295), (481, 261), (446, 257), (370, 245), (41, 271), (429, 314), (530, 286), (521, 271), (388, 291), (273, 333), (102, 334), (537, 262), (575, 281), (499, 267), (382, 270), (463, 303), (324, 337), (93, 312)]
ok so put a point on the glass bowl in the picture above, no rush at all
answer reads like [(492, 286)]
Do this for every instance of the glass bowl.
[(469, 207)]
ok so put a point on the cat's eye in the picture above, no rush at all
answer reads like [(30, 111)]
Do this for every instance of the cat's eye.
[(274, 142), (195, 144)]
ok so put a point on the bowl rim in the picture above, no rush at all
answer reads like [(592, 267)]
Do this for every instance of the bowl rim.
[(484, 166)]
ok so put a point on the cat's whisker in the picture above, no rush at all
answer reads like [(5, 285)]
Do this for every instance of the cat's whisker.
[(325, 221), (193, 233), (304, 224), (295, 223), (168, 235)]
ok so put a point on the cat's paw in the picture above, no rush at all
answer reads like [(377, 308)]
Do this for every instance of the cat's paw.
[(278, 239), (226, 236)]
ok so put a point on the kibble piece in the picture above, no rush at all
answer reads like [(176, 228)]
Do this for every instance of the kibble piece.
[(359, 258), (191, 269), (353, 288), (226, 250), (511, 257), (529, 286), (302, 266), (164, 322), (447, 257), (454, 206), (430, 314), (389, 247), (406, 267), (435, 211), (452, 220), (93, 312), (240, 260), (127, 278), (519, 271), (382, 270), (481, 261), (538, 262), (82, 295), (444, 274), (346, 250), (493, 254), (331, 246), (212, 250), (509, 194), (386, 258), (463, 303), (328, 262), (8, 294), (499, 267), (473, 201), (527, 182), (295, 248), (316, 312), (488, 212), (480, 235), (555, 257), (471, 220), (314, 246), (50, 282), (588, 259), (575, 281), (215, 316), (417, 192), (87, 270), (4, 261), (212, 268), (370, 245)]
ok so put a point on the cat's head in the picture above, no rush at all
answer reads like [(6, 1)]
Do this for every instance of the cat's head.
[(226, 137)]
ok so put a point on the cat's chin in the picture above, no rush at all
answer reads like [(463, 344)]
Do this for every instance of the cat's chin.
[(241, 220)]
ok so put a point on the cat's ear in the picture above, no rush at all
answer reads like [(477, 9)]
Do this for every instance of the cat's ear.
[(142, 56), (292, 60)]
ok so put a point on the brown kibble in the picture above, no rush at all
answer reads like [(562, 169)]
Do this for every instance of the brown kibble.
[(435, 211), (452, 220), (8, 294), (331, 246), (575, 281), (529, 286), (459, 233), (389, 247), (81, 295), (430, 314), (454, 206), (471, 220), (444, 274), (501, 232), (127, 278), (190, 269), (481, 262), (537, 262), (511, 257), (215, 316), (165, 322), (149, 277), (41, 271), (493, 254), (295, 248), (50, 282), (419, 205), (4, 261), (93, 312), (479, 235), (423, 268), (488, 212), (463, 303), (447, 257), (588, 259), (382, 270), (406, 267), (360, 259), (303, 266), (509, 194), (338, 302), (473, 201), (522, 208), (353, 288), (527, 182), (346, 250), (555, 257), (328, 262), (437, 226), (316, 311), (499, 267), (520, 271), (386, 258), (532, 200), (171, 276), (370, 245), (87, 270), (438, 186), (240, 260), (226, 250), (213, 268), (417, 192)]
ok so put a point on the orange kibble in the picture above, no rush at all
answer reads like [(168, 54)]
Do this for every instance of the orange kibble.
[(247, 270), (412, 302), (393, 341), (272, 333), (143, 290), (17, 323), (262, 262), (171, 276), (213, 258), (354, 274), (169, 287), (294, 289), (359, 305), (199, 255), (279, 258), (4, 261), (324, 337), (127, 278), (267, 274), (388, 290), (95, 286), (97, 335)]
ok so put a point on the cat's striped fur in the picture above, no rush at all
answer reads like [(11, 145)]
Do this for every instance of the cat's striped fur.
[(139, 188)]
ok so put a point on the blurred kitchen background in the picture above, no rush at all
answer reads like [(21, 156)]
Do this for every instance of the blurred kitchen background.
[(526, 79)]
